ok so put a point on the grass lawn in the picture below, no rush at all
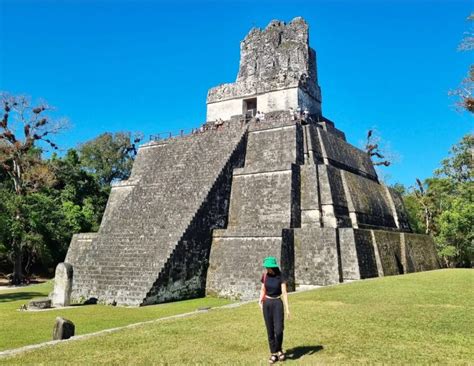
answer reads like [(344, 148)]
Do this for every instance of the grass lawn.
[(417, 318), (20, 328)]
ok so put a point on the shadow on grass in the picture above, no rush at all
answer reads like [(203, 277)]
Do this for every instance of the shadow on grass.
[(297, 352), (16, 296)]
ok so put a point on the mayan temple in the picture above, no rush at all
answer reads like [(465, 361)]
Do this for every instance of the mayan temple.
[(267, 174)]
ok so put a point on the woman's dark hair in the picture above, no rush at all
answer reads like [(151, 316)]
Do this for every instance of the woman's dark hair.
[(274, 271)]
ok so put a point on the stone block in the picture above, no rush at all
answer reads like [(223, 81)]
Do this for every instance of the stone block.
[(62, 285), (39, 304), (63, 329)]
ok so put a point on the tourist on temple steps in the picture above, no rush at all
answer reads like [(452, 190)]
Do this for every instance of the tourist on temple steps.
[(271, 294)]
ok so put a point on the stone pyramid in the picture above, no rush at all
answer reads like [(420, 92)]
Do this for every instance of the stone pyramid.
[(267, 174)]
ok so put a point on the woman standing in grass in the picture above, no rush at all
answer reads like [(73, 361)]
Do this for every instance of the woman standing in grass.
[(271, 294)]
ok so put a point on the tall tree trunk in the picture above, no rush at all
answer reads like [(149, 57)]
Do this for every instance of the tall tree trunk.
[(18, 276)]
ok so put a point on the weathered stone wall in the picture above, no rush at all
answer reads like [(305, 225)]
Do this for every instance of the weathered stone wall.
[(400, 212), (345, 156), (367, 202), (390, 251), (79, 246), (372, 253), (274, 148), (278, 100), (277, 66), (261, 200), (236, 263), (358, 257), (310, 196), (420, 251), (333, 197), (316, 256)]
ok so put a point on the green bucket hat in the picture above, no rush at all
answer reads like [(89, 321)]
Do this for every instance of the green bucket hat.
[(270, 262)]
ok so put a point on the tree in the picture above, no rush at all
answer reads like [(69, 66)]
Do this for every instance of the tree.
[(372, 148), (442, 205), (458, 167), (465, 92), (425, 203), (109, 157), (83, 198), (454, 181), (22, 128)]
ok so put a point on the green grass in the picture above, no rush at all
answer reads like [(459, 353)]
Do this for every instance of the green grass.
[(20, 328), (418, 318)]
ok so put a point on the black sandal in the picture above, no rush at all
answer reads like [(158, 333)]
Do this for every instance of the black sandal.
[(281, 356), (273, 359)]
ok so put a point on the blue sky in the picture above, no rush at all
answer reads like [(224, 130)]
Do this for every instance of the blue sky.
[(147, 65)]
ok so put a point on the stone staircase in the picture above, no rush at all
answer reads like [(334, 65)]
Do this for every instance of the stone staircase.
[(148, 216), (263, 211)]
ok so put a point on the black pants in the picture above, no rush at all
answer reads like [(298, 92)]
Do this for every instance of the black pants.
[(274, 321)]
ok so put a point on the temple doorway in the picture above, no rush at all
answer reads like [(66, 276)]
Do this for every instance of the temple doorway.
[(249, 107)]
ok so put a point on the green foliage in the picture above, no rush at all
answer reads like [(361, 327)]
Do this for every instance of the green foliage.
[(109, 157), (458, 167), (443, 205), (415, 214), (455, 237), (51, 214)]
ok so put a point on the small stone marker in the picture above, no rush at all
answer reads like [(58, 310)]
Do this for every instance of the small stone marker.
[(63, 329), (204, 308), (62, 285), (39, 304)]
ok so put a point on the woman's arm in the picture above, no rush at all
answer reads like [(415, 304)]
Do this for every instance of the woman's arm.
[(284, 294), (262, 296)]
